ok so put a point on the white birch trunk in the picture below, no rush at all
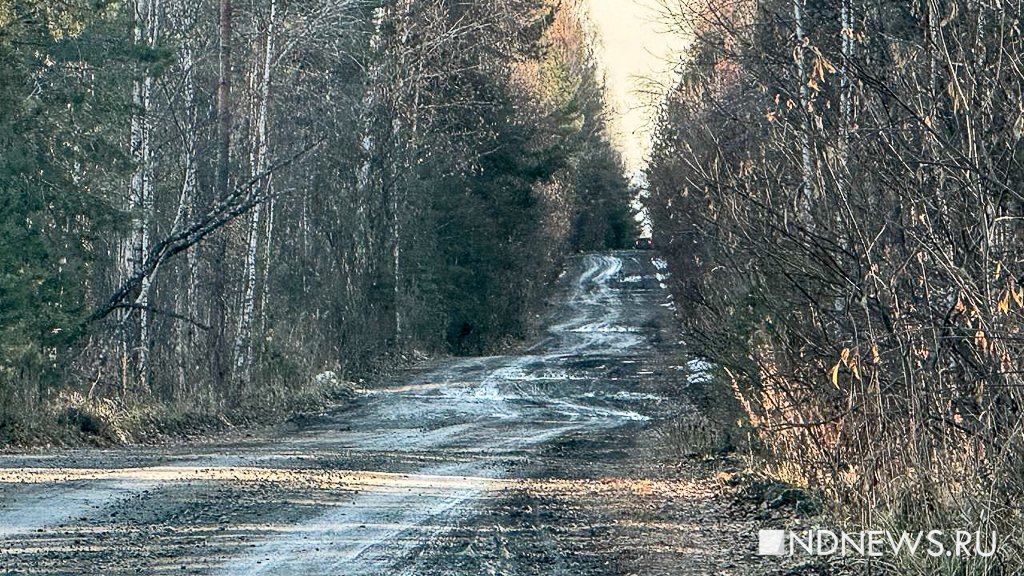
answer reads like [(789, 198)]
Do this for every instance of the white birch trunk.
[(258, 165), (268, 243), (140, 197), (397, 201), (370, 100), (186, 299), (363, 252)]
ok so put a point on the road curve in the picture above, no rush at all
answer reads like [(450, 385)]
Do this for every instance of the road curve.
[(357, 492)]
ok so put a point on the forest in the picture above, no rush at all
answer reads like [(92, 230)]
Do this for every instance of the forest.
[(387, 235), (837, 189), (222, 208)]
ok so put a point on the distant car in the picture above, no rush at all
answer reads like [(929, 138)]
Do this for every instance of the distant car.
[(643, 244)]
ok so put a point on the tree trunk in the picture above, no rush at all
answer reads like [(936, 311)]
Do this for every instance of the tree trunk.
[(136, 340), (846, 93), (186, 299), (258, 165), (806, 162), (218, 315)]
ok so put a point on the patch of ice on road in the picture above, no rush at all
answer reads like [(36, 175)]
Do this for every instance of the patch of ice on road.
[(56, 504), (632, 279), (700, 371), (602, 327), (635, 396), (518, 373), (659, 263), (595, 414), (662, 277)]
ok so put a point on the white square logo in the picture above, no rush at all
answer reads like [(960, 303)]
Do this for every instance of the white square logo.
[(771, 542)]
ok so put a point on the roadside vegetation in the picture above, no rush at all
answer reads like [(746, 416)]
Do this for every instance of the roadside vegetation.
[(231, 207), (836, 187)]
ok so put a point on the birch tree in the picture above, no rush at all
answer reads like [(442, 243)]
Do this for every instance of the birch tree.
[(262, 192), (260, 83), (146, 18)]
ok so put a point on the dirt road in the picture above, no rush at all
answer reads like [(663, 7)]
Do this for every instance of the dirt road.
[(396, 485)]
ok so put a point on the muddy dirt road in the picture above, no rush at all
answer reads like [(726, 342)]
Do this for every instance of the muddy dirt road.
[(372, 489)]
